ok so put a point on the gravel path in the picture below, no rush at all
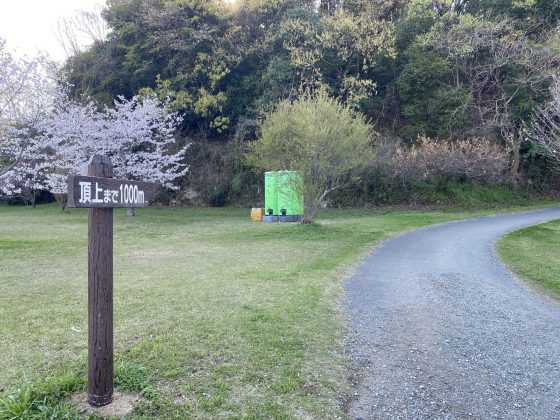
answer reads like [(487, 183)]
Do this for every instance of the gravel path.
[(439, 329)]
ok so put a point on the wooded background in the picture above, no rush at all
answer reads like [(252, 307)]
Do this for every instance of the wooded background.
[(452, 87)]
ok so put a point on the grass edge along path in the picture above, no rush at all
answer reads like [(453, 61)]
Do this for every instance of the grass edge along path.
[(221, 327), (532, 254)]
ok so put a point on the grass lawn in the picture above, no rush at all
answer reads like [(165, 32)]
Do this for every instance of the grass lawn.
[(533, 253), (215, 316)]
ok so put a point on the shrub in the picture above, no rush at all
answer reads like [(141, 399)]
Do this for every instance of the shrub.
[(478, 161), (219, 196)]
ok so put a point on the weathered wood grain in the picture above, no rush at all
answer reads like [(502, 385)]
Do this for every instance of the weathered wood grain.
[(100, 295)]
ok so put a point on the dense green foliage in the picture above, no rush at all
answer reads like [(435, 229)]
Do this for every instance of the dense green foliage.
[(449, 69), (221, 63)]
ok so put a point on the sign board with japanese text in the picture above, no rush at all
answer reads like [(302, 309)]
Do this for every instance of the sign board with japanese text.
[(98, 192)]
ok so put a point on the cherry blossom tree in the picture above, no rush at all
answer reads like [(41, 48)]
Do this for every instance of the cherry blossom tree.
[(29, 176), (72, 132), (27, 90), (138, 135), (140, 140), (45, 135)]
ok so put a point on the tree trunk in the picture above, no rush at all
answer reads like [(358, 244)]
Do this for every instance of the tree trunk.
[(516, 161), (61, 199), (130, 212), (308, 212), (514, 141)]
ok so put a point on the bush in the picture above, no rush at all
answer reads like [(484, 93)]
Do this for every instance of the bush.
[(431, 172), (477, 161), (219, 196), (218, 165)]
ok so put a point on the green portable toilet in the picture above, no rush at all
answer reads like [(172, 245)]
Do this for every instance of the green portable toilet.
[(290, 193), (271, 193)]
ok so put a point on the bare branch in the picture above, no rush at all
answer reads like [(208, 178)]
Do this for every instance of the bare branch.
[(545, 128), (83, 29)]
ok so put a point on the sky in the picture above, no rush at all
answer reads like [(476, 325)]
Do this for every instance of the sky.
[(29, 26)]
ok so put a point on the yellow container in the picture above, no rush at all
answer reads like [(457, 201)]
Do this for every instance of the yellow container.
[(257, 214)]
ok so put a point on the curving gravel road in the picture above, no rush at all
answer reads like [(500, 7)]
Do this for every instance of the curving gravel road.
[(439, 329)]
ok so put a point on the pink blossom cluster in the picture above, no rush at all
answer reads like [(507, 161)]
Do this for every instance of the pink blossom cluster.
[(45, 135)]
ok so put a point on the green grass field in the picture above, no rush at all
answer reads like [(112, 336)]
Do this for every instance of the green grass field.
[(215, 316), (533, 253)]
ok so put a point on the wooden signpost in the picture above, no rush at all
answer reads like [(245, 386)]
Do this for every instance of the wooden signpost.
[(101, 193)]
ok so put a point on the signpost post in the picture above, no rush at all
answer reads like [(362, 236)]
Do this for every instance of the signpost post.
[(100, 193)]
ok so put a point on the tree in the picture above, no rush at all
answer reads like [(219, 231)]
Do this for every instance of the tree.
[(85, 27), (533, 15), (317, 135), (30, 174), (220, 64), (175, 48), (338, 51), (545, 128), (138, 135), (45, 135), (506, 72), (27, 91)]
